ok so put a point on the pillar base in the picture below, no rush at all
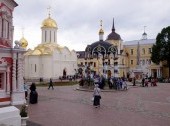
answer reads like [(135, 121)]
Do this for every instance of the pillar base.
[(18, 98)]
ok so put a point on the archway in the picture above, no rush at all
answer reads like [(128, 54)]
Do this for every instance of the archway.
[(109, 73)]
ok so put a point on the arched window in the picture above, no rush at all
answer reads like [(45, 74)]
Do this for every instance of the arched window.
[(143, 51), (45, 36), (50, 36), (131, 51), (123, 61)]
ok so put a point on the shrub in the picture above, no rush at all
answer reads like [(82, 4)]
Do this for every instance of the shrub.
[(23, 111)]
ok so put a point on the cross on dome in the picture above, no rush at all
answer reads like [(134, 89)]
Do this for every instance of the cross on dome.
[(101, 30), (101, 23), (49, 11)]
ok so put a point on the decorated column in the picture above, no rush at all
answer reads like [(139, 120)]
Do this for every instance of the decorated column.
[(8, 81), (18, 95), (20, 73), (14, 73)]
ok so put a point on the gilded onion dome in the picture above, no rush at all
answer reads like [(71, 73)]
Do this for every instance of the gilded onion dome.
[(49, 23), (23, 42), (101, 31)]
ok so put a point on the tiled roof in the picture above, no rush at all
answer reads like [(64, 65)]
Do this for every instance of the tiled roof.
[(141, 42)]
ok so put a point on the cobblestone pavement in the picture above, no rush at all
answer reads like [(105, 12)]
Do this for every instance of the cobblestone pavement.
[(138, 106)]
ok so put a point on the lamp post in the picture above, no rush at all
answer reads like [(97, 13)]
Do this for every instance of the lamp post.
[(98, 58)]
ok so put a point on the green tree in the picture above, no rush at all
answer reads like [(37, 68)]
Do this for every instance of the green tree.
[(161, 49)]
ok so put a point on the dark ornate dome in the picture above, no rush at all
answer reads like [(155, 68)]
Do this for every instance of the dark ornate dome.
[(101, 43), (102, 47), (113, 35)]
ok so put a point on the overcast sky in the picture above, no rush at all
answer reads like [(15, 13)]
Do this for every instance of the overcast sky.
[(79, 20)]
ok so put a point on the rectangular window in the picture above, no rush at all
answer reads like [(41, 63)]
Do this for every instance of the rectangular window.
[(149, 61), (94, 64), (131, 51), (31, 69), (5, 28), (81, 63), (35, 68), (149, 50), (131, 62)]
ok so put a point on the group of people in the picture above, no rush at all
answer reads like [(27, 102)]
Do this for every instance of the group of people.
[(117, 83), (33, 97), (146, 81), (113, 82), (33, 93)]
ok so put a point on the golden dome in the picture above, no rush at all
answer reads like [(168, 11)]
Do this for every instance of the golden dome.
[(45, 49), (49, 23), (101, 31), (23, 42)]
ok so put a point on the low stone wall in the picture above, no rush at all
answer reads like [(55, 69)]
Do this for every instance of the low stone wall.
[(10, 116)]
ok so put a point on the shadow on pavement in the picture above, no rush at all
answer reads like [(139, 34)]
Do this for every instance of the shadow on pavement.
[(29, 123)]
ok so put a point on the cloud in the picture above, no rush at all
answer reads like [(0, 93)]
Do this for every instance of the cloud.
[(78, 21)]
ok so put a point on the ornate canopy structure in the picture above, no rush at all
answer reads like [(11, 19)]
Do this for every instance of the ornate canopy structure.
[(104, 52)]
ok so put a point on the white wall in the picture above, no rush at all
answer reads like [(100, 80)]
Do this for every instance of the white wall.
[(9, 116), (52, 65), (47, 70)]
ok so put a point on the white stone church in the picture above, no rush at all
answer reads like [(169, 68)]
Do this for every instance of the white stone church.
[(49, 59)]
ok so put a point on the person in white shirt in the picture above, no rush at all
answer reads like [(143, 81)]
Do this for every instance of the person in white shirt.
[(26, 90), (96, 95)]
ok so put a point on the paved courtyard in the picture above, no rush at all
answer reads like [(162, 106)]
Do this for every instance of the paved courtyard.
[(65, 106)]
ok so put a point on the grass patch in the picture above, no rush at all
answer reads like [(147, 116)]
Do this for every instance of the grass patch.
[(69, 83)]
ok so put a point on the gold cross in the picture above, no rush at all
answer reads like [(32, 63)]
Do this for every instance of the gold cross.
[(101, 23), (49, 8)]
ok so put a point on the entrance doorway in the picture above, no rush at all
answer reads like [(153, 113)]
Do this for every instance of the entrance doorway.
[(109, 73)]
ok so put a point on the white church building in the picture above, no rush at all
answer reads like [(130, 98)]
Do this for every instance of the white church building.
[(49, 59)]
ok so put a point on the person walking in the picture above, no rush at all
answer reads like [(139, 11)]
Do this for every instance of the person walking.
[(26, 90), (134, 81), (96, 95), (33, 94), (51, 84), (143, 82)]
